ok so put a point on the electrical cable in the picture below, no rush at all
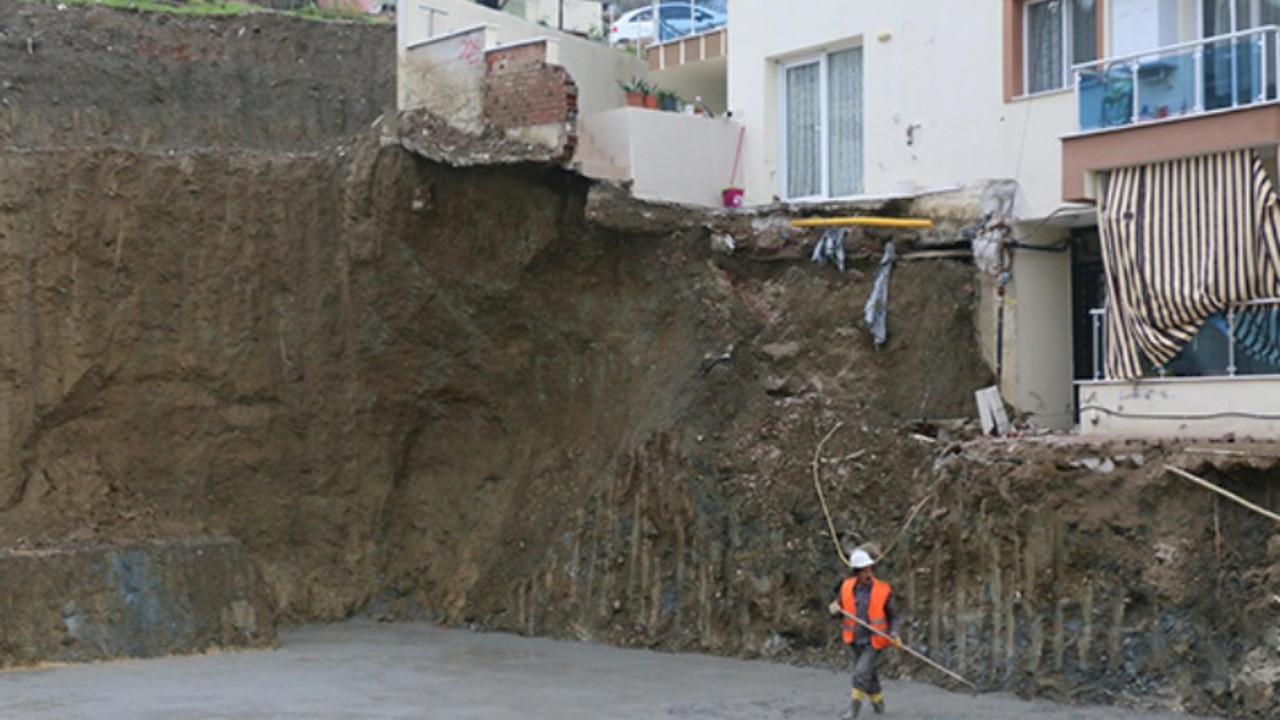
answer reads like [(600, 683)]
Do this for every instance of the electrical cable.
[(1022, 243), (1179, 416), (831, 526)]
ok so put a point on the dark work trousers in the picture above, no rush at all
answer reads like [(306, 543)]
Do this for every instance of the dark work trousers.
[(865, 677)]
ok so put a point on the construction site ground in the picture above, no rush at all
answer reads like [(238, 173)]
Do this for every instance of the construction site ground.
[(409, 671)]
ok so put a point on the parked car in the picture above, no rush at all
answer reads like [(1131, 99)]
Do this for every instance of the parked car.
[(675, 19)]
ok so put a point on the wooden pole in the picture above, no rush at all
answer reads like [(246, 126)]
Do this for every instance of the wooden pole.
[(914, 653), (1224, 493)]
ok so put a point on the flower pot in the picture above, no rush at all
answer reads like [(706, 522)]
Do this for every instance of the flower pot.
[(732, 197), (651, 102), (635, 98)]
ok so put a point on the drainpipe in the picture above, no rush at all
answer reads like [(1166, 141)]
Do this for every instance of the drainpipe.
[(1002, 285), (1000, 332)]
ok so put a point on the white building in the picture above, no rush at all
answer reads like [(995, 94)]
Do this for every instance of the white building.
[(1138, 139), (866, 98)]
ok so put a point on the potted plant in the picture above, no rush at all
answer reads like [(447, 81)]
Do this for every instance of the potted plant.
[(650, 95), (668, 100), (636, 91)]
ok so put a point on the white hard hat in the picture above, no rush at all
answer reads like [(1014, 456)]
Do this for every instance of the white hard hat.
[(859, 559)]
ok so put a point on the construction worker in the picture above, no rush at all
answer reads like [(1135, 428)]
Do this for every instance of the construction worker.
[(872, 601)]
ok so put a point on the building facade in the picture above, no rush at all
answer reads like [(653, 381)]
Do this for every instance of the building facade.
[(1064, 101)]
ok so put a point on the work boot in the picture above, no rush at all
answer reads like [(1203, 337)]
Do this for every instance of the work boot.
[(877, 702), (855, 704)]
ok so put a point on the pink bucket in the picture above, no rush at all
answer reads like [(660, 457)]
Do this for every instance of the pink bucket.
[(732, 197)]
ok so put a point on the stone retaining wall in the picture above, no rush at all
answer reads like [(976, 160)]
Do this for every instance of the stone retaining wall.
[(140, 600)]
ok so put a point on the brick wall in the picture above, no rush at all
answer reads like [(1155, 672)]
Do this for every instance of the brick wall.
[(523, 91)]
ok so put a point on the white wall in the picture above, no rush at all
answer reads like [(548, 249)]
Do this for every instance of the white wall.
[(580, 16), (446, 74), (595, 67), (1039, 361), (937, 65), (670, 157), (1182, 407), (598, 69)]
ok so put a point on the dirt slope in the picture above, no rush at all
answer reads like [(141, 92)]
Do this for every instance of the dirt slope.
[(492, 397)]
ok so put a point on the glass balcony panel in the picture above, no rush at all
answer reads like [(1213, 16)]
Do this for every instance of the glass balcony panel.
[(1218, 73), (1245, 342), (1232, 73), (1208, 353), (1105, 95), (1166, 85)]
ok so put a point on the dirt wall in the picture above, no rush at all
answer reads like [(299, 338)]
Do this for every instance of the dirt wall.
[(76, 75)]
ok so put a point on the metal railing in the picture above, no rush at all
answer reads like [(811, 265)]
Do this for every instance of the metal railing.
[(1216, 73), (1226, 331), (1098, 318)]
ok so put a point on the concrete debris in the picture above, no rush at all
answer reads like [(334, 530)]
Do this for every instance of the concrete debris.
[(722, 243), (777, 352), (1098, 465)]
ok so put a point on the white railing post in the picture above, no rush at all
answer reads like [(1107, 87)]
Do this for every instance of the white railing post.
[(1231, 342), (1197, 80), (1235, 73), (1133, 91), (1098, 319), (1262, 68)]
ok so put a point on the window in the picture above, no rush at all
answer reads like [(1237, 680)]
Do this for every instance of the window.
[(822, 126), (1057, 34), (1224, 16)]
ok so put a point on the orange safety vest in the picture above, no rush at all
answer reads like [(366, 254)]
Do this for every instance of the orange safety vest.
[(876, 616)]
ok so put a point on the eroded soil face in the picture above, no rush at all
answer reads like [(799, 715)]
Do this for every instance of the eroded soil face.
[(502, 398)]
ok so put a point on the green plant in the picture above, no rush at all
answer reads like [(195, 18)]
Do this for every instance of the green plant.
[(231, 7), (638, 85), (192, 7)]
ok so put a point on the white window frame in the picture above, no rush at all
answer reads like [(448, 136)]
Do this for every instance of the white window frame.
[(1067, 31), (824, 142)]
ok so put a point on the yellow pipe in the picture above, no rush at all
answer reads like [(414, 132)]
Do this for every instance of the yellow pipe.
[(865, 220)]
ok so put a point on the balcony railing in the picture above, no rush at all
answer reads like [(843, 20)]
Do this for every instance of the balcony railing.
[(1243, 341), (1217, 73)]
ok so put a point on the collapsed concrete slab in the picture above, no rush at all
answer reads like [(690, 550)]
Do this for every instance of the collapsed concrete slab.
[(137, 600)]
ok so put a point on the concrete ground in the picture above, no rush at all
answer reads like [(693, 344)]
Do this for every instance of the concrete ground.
[(365, 671)]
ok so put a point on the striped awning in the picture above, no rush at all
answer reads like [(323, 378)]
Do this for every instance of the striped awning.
[(1183, 240)]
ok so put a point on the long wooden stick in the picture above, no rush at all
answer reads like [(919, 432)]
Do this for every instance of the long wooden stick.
[(1224, 493), (902, 646)]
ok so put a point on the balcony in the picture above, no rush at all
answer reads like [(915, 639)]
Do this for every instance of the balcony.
[(1224, 381), (664, 156), (1193, 98)]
